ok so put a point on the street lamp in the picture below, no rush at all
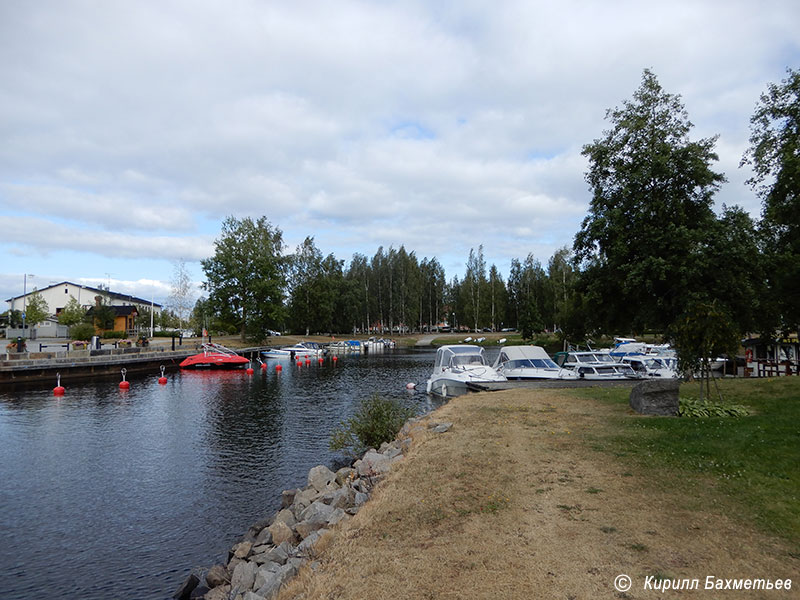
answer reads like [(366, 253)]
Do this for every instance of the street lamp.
[(25, 298)]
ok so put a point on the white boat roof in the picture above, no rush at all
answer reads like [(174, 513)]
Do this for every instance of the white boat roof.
[(462, 349), (519, 352)]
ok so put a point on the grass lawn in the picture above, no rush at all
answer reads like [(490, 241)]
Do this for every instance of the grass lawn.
[(753, 461)]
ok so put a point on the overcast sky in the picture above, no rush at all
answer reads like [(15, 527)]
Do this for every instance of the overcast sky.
[(130, 130)]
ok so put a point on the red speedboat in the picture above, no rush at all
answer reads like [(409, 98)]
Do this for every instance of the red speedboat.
[(214, 356)]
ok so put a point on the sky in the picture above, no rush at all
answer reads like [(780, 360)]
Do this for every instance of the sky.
[(130, 130)]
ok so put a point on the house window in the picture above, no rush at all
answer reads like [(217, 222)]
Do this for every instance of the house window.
[(66, 290)]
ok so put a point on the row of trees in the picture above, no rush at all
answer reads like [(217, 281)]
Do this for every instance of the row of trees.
[(651, 254), (393, 291)]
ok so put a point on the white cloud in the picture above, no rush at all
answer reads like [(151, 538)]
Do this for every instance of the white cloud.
[(131, 130)]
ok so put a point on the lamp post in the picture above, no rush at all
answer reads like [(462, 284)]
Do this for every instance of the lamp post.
[(25, 298)]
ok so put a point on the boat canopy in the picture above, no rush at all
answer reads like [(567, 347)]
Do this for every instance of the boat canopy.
[(515, 357), (452, 356)]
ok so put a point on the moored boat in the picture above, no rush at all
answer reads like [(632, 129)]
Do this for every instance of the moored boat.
[(529, 362), (214, 356), (458, 365), (300, 349)]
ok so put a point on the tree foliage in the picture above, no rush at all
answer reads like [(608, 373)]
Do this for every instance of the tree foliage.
[(36, 309), (72, 313), (650, 213), (774, 155), (245, 278)]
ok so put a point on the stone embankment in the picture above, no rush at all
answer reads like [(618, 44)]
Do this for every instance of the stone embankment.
[(274, 549)]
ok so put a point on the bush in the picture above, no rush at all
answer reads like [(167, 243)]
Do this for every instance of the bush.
[(377, 420), (692, 407), (82, 331), (115, 335)]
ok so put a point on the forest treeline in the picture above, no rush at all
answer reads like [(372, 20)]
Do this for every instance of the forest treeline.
[(652, 254)]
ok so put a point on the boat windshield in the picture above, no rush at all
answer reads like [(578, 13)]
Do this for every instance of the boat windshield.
[(602, 357), (531, 363), (467, 359)]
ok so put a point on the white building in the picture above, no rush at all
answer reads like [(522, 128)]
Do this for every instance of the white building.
[(57, 296)]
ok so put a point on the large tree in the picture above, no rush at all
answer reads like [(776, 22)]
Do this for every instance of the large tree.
[(651, 209), (245, 277), (774, 155)]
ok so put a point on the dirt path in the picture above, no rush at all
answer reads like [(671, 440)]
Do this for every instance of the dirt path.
[(514, 503)]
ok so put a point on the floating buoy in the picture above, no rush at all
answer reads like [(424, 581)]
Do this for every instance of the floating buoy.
[(58, 390), (263, 366), (299, 363), (320, 360), (279, 368), (308, 361), (335, 358), (162, 380), (411, 386), (249, 370), (124, 385)]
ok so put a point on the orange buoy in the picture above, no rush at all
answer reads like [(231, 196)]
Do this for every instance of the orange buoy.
[(124, 385), (162, 380), (58, 390)]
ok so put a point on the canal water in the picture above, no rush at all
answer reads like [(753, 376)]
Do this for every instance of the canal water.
[(107, 493)]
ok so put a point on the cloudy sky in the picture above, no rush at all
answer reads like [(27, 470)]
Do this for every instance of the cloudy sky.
[(130, 130)]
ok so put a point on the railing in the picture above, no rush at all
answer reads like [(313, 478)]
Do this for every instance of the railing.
[(772, 368)]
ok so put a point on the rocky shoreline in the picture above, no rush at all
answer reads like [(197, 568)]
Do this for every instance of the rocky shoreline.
[(274, 549)]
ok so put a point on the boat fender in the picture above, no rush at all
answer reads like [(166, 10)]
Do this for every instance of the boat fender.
[(411, 386)]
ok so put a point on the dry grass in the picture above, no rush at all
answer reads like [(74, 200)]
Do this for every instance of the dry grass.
[(513, 503)]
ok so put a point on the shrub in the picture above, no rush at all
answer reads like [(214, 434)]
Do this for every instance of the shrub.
[(377, 420), (692, 407), (82, 331), (114, 335)]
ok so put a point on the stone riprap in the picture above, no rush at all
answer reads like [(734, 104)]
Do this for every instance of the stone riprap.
[(274, 549)]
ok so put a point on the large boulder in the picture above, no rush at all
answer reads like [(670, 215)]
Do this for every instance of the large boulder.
[(319, 477), (243, 576), (217, 576), (281, 532), (656, 397)]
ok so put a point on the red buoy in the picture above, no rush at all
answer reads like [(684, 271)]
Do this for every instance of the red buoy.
[(263, 366), (320, 360), (299, 363), (162, 380), (124, 385), (58, 390), (335, 358), (278, 368)]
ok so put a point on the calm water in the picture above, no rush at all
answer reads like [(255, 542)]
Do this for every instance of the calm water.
[(105, 493)]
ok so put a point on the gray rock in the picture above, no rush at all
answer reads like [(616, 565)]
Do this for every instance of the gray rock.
[(344, 474), (252, 596), (305, 547), (264, 574), (219, 593), (303, 500), (442, 427), (263, 537), (242, 549), (314, 517), (361, 498), (199, 592), (656, 397), (285, 516), (393, 452), (373, 464), (281, 532), (279, 554), (343, 497), (185, 589), (217, 576), (287, 497), (274, 582), (337, 515), (243, 576), (319, 477)]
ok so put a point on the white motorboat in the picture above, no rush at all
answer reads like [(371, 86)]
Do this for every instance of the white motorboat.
[(529, 362), (647, 365), (300, 350), (457, 365), (595, 365)]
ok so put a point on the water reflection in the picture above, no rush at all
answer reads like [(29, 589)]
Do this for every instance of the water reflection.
[(127, 491)]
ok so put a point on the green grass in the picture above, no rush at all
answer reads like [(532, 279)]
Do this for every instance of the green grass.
[(753, 460)]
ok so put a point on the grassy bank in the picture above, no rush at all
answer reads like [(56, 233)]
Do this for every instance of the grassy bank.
[(753, 460), (553, 493)]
